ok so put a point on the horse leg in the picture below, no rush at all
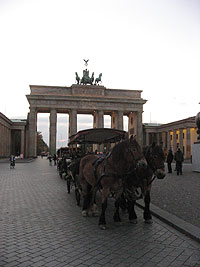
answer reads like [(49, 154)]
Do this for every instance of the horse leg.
[(116, 216), (131, 212), (147, 214), (102, 218), (86, 199), (94, 209)]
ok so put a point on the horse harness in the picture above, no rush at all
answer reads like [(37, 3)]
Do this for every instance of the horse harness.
[(97, 162)]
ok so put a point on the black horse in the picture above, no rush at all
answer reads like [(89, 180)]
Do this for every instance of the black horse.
[(142, 183)]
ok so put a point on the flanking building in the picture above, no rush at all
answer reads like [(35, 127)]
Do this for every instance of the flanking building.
[(182, 134), (12, 137)]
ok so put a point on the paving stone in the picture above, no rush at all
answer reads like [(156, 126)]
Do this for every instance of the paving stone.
[(42, 226)]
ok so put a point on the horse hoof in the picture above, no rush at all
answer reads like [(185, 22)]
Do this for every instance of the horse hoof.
[(102, 227), (133, 221), (84, 213), (149, 221)]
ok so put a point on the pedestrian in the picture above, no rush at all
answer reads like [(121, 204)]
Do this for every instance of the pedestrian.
[(50, 160), (170, 158), (54, 159), (179, 161), (12, 161)]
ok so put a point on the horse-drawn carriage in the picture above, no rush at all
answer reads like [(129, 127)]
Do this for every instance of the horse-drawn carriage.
[(96, 141), (119, 169)]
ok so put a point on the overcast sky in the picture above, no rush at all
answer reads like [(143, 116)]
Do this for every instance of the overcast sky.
[(150, 45)]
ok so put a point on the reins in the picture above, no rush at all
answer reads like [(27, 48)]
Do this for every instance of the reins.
[(113, 174), (154, 177)]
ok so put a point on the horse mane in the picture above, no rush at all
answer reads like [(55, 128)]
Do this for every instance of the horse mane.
[(118, 151), (157, 149)]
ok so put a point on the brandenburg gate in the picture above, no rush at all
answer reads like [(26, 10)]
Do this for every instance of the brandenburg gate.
[(83, 99)]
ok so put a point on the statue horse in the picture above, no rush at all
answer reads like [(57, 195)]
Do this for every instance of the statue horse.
[(109, 175), (77, 78), (98, 79), (155, 158)]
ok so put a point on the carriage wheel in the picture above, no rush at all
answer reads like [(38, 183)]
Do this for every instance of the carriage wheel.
[(78, 196)]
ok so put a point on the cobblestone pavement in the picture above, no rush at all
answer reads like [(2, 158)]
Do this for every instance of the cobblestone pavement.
[(179, 195), (40, 225)]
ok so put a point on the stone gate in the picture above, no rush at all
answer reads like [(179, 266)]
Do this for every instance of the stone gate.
[(83, 99)]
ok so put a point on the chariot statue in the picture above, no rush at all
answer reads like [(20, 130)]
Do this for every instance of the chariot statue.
[(86, 79)]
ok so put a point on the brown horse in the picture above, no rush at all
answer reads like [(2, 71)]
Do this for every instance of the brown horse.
[(109, 175), (155, 158)]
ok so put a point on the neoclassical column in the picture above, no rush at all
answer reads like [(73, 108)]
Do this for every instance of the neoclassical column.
[(1, 143), (181, 139), (95, 119), (32, 132), (139, 134), (188, 144), (135, 125), (113, 120), (27, 142), (168, 140), (72, 122), (120, 125), (174, 141), (163, 140), (157, 139), (1, 136), (147, 138), (22, 143), (98, 119), (52, 131), (132, 124), (7, 141)]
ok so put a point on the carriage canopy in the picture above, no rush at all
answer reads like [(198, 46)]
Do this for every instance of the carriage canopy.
[(98, 136)]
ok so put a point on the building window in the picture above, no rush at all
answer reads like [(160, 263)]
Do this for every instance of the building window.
[(176, 136), (183, 135)]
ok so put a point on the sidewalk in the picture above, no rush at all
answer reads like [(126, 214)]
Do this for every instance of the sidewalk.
[(42, 226), (17, 160), (179, 194)]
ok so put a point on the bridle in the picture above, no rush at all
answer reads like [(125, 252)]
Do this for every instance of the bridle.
[(150, 160)]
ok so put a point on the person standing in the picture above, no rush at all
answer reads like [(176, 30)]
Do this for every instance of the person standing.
[(170, 158), (12, 161), (54, 159), (50, 160), (179, 161)]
